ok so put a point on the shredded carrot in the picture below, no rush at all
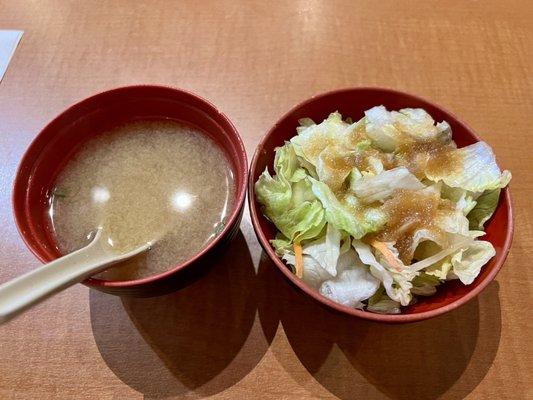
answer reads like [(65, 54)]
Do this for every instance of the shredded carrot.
[(299, 267), (383, 249)]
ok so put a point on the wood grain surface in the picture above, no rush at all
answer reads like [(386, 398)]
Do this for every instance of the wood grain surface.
[(242, 332)]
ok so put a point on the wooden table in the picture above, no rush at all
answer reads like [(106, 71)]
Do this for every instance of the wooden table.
[(242, 333)]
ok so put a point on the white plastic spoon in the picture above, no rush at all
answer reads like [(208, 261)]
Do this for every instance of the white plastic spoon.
[(21, 293)]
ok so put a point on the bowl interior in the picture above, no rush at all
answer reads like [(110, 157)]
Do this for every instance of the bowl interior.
[(63, 137), (352, 103)]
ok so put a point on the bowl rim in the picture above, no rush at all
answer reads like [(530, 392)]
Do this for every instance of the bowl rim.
[(240, 192), (255, 214)]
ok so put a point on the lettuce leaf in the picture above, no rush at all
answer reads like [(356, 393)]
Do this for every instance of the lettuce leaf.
[(420, 126), (420, 236), (287, 165), (425, 285), (479, 171), (333, 166), (305, 122), (297, 218), (485, 206), (466, 203), (382, 304), (463, 199), (274, 194), (452, 222), (312, 139), (314, 272), (381, 130), (336, 161), (314, 275), (356, 222), (351, 286), (302, 222), (456, 242), (281, 244), (301, 191), (397, 284), (375, 165), (288, 200), (380, 187), (440, 269), (389, 129), (467, 263), (326, 250), (385, 306)]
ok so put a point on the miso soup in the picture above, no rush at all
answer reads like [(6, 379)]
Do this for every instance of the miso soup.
[(146, 181)]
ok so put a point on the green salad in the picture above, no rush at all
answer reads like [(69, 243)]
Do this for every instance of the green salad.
[(376, 212)]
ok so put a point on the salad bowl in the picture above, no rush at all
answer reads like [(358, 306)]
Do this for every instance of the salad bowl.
[(352, 102)]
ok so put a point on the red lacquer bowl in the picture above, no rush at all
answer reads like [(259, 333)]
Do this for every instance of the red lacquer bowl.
[(352, 102), (61, 138)]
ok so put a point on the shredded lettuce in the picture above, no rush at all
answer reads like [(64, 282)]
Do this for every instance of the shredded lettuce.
[(335, 194)]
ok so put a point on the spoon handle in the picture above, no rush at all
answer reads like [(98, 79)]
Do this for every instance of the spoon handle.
[(26, 290)]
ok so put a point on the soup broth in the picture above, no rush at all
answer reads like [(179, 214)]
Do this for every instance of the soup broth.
[(146, 181)]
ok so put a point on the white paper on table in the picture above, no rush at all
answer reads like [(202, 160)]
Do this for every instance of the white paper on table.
[(9, 41)]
